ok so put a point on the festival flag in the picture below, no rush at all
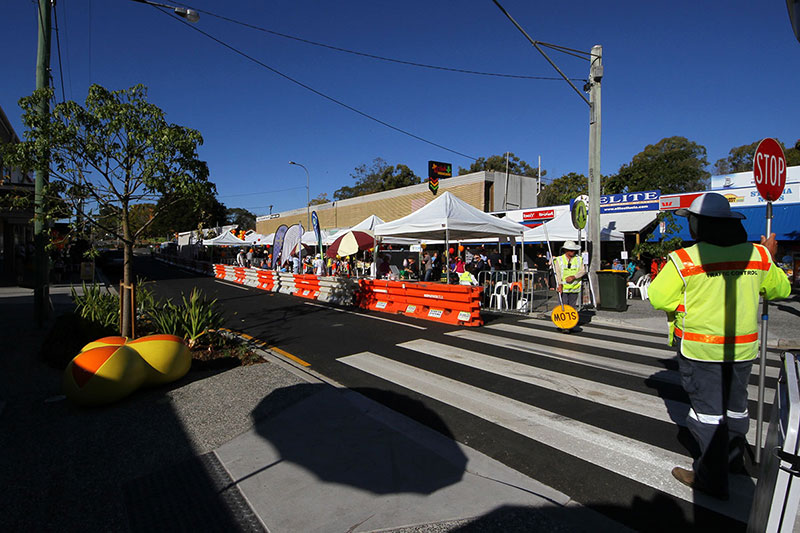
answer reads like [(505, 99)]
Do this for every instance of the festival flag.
[(277, 244)]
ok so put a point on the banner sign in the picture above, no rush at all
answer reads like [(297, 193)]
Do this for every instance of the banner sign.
[(745, 196), (631, 201), (277, 244), (747, 179), (291, 240), (537, 218), (437, 170), (315, 225)]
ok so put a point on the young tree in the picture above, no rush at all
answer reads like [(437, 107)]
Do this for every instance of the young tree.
[(115, 151)]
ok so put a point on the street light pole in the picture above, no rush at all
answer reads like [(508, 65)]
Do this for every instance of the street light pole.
[(308, 194)]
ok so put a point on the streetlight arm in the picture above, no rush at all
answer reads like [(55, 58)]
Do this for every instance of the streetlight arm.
[(189, 14), (536, 45)]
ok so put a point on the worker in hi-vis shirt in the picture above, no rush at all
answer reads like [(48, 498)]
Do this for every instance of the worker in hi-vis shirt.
[(711, 292)]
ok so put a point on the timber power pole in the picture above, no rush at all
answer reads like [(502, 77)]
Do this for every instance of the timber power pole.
[(41, 296), (595, 115)]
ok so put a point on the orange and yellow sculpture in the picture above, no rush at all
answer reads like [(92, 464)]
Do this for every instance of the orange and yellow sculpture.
[(108, 369)]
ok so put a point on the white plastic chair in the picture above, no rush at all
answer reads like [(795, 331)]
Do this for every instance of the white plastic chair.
[(640, 286), (500, 294)]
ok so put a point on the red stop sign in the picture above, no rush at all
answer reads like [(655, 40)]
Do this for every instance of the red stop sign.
[(769, 169)]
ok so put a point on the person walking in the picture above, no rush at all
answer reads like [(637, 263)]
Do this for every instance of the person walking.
[(569, 270), (710, 292), (240, 258)]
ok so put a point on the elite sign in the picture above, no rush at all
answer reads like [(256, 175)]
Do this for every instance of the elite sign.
[(769, 169)]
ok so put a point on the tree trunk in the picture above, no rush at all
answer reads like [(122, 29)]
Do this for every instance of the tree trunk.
[(126, 317)]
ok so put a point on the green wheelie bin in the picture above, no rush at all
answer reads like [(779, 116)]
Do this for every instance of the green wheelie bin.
[(613, 289)]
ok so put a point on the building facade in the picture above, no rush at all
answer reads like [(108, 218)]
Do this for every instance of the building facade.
[(16, 228), (487, 191)]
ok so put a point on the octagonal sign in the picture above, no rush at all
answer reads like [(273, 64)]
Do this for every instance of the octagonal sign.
[(769, 169)]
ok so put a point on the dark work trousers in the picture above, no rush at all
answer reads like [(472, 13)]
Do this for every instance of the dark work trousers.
[(718, 418), (570, 298)]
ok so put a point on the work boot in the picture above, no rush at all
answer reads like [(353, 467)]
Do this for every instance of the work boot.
[(688, 478)]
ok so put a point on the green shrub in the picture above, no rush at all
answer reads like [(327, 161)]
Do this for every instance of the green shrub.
[(166, 318), (199, 316), (194, 319), (97, 306)]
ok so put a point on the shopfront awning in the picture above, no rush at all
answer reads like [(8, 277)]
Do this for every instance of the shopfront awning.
[(630, 222)]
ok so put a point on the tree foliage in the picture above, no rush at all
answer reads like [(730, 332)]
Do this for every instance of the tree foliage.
[(667, 242), (379, 176), (115, 151), (672, 165), (497, 163), (321, 198), (189, 213), (740, 158), (243, 218), (561, 190)]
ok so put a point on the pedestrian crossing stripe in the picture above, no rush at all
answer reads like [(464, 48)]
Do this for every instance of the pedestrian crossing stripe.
[(595, 361), (642, 462)]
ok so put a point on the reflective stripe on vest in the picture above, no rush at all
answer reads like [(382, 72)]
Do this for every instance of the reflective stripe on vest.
[(715, 339), (690, 269)]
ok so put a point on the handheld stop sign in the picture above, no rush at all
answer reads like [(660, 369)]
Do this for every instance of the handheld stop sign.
[(564, 316), (769, 169)]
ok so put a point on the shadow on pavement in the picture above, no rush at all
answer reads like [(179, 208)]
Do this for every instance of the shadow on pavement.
[(331, 438)]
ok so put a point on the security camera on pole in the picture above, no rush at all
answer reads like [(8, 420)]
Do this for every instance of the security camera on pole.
[(769, 173)]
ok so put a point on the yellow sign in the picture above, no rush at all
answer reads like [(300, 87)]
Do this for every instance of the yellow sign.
[(564, 316)]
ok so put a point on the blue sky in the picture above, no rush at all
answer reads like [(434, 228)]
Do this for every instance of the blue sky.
[(722, 73)]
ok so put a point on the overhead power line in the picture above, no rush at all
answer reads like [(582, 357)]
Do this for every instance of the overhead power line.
[(315, 91), (374, 56)]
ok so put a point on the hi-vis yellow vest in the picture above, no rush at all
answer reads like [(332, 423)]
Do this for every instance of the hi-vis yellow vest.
[(718, 319), (570, 268)]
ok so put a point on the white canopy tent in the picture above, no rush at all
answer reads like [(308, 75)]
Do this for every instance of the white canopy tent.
[(452, 219), (259, 239), (226, 239)]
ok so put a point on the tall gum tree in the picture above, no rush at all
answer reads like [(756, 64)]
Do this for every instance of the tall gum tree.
[(112, 153)]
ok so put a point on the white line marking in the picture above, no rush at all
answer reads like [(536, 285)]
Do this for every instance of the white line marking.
[(572, 356), (231, 284), (366, 315), (629, 401), (635, 460)]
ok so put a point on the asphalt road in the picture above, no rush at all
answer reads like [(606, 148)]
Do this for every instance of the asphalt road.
[(596, 415)]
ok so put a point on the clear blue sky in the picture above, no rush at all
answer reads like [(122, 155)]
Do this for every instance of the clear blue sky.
[(722, 73)]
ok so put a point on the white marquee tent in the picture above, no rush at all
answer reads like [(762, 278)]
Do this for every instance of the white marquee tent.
[(561, 229), (450, 218), (226, 239)]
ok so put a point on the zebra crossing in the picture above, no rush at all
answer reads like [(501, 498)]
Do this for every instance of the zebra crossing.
[(631, 374)]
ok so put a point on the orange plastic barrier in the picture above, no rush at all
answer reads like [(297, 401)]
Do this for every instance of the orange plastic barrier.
[(266, 279), (306, 286), (450, 304), (219, 271), (239, 275)]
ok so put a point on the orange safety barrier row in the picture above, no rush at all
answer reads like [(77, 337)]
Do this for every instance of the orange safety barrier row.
[(306, 286), (219, 271), (239, 274), (450, 304)]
